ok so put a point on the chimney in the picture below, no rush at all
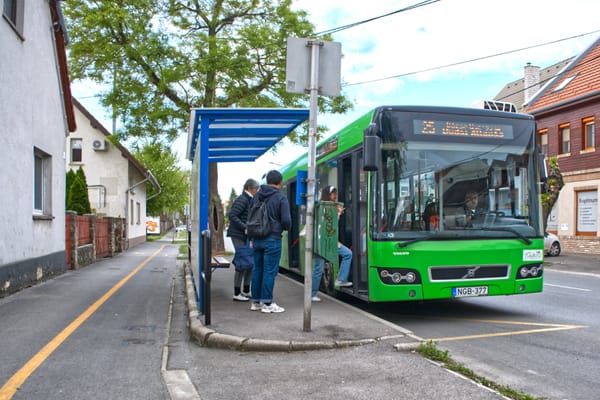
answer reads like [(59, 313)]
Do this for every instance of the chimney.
[(532, 81)]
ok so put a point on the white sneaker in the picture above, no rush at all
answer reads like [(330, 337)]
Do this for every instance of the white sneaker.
[(248, 295), (255, 306), (315, 299), (240, 297), (342, 283), (273, 308)]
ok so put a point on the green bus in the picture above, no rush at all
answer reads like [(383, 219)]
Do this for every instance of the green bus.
[(402, 174)]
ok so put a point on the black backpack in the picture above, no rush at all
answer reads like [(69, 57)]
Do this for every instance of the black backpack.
[(258, 222)]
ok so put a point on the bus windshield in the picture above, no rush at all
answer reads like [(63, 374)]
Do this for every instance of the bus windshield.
[(455, 176)]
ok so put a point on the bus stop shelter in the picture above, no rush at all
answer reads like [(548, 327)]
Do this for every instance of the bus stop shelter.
[(227, 135)]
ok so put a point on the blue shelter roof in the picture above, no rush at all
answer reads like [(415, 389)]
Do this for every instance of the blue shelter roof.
[(241, 134)]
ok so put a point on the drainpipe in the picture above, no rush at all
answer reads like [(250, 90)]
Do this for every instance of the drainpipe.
[(153, 179)]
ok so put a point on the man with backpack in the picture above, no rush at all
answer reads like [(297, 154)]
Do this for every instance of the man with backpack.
[(267, 241)]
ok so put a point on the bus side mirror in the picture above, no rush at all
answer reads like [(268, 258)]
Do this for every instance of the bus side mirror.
[(371, 149), (543, 173)]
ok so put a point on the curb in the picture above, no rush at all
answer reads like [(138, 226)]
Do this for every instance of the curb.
[(207, 337)]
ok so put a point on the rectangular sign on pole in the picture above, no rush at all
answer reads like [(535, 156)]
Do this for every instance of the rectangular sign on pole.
[(297, 69), (312, 67)]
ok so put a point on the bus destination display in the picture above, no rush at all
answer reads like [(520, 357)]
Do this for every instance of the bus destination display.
[(462, 129)]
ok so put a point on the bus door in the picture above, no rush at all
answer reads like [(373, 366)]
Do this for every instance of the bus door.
[(293, 242), (352, 191)]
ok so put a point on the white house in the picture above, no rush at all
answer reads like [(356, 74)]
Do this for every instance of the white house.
[(116, 179), (36, 114)]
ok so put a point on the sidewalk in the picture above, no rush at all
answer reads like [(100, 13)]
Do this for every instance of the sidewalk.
[(347, 353), (334, 324), (574, 262)]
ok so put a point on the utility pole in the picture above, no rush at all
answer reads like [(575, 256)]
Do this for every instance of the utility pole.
[(307, 71)]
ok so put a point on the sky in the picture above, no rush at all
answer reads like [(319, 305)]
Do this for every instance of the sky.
[(419, 57)]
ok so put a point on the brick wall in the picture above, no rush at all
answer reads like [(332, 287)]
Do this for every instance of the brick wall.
[(580, 244)]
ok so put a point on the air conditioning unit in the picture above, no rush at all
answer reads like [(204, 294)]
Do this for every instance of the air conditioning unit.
[(99, 145)]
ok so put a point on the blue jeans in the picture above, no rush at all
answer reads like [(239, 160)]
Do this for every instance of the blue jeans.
[(318, 265), (267, 253), (346, 255)]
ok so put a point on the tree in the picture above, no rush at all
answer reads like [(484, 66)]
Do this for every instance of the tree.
[(174, 182), (164, 57), (232, 196), (554, 184), (69, 181), (77, 197)]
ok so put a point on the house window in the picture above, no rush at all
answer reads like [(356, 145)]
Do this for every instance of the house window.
[(13, 13), (588, 133), (564, 139), (42, 183), (544, 141), (138, 208), (76, 149)]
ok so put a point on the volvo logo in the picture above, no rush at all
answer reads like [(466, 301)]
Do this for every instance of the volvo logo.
[(471, 272)]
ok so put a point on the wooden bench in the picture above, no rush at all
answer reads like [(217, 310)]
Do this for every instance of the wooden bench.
[(219, 262)]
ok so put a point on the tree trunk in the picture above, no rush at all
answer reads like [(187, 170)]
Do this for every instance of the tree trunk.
[(553, 186), (216, 216)]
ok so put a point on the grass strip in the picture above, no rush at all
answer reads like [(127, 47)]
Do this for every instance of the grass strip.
[(430, 350)]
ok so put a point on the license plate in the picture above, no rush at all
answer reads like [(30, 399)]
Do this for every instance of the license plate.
[(471, 291)]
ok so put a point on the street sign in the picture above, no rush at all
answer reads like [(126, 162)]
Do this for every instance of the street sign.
[(298, 67)]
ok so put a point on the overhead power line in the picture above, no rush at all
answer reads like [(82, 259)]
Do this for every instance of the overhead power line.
[(468, 61), (352, 25)]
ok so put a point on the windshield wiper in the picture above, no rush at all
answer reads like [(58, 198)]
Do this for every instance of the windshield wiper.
[(508, 229), (411, 241)]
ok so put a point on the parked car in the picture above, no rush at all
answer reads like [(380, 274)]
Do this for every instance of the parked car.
[(181, 228), (551, 244)]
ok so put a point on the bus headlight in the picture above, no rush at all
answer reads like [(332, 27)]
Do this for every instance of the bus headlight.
[(398, 276), (530, 271)]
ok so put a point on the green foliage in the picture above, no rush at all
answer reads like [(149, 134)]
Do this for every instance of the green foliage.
[(162, 58), (77, 197), (70, 178), (232, 196), (174, 182)]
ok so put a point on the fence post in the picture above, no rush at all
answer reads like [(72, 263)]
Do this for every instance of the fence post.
[(92, 218), (74, 239), (111, 235)]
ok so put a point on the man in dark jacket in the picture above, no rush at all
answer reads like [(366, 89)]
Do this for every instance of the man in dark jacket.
[(237, 232), (267, 251)]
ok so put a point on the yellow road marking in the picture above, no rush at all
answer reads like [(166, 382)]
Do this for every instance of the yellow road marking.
[(548, 328), (489, 335), (12, 385)]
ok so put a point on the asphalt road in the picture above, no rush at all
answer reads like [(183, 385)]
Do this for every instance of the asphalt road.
[(82, 336), (544, 344), (101, 333)]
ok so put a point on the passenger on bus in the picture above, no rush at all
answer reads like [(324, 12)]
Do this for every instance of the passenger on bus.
[(329, 193)]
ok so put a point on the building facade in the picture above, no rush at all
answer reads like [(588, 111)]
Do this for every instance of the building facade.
[(116, 179), (566, 109), (36, 114)]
